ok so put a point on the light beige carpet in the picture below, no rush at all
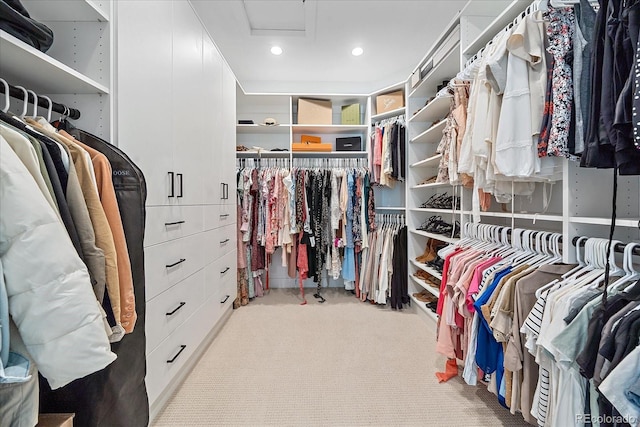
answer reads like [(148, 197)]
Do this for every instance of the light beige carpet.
[(341, 363)]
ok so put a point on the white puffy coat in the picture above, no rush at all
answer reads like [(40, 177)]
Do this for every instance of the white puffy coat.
[(50, 295)]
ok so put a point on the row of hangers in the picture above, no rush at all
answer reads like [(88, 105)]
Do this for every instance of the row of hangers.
[(391, 120), (306, 163), (398, 220), (25, 102)]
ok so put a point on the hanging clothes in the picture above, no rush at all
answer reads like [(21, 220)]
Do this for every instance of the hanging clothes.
[(388, 149)]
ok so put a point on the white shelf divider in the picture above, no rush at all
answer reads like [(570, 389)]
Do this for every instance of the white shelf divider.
[(349, 154), (620, 222), (258, 129), (433, 160), (327, 129), (516, 215), (436, 210), (389, 208), (432, 185), (438, 108), (431, 135), (392, 113), (24, 65)]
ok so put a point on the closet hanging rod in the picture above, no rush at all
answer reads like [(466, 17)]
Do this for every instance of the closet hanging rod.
[(617, 248), (16, 93)]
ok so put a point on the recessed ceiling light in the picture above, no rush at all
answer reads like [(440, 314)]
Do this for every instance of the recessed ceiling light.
[(276, 50), (357, 51)]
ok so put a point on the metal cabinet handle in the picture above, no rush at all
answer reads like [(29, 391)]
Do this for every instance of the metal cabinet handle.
[(172, 193), (222, 188), (171, 313), (176, 263), (179, 175), (224, 215), (182, 347), (225, 270), (222, 242), (225, 300), (166, 224)]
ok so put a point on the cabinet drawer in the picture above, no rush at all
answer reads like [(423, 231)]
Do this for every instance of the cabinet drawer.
[(227, 240), (166, 223), (168, 263), (219, 215), (222, 270), (171, 308), (165, 361)]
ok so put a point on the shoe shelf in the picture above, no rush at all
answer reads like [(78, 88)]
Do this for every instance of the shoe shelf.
[(432, 271), (435, 236), (431, 185), (431, 161), (422, 307), (329, 129), (433, 291), (431, 135), (438, 108)]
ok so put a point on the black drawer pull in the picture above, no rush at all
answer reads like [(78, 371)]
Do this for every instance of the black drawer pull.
[(182, 347), (224, 215), (180, 176), (225, 270), (225, 300), (172, 194), (176, 263), (224, 241), (166, 224), (171, 313)]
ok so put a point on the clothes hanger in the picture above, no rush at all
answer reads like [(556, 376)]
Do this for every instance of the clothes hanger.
[(630, 273), (35, 104), (7, 101), (25, 100)]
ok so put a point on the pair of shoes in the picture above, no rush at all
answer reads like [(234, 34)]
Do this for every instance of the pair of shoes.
[(430, 251), (241, 148), (425, 296), (436, 225), (437, 264), (427, 278), (432, 305), (431, 180), (441, 201)]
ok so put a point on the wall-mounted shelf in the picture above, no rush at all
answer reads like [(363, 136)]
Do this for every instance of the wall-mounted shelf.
[(435, 236), (390, 208), (432, 185), (347, 154), (431, 161), (24, 65), (438, 108), (263, 154), (259, 129), (431, 271), (516, 215), (446, 69), (433, 291), (392, 113), (435, 210), (328, 129), (431, 135), (64, 11), (509, 14)]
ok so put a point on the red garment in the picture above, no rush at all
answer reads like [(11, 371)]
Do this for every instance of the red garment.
[(443, 282)]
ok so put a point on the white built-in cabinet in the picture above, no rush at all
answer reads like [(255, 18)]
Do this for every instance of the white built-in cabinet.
[(176, 120)]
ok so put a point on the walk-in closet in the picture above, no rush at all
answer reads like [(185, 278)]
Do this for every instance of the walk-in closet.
[(319, 213)]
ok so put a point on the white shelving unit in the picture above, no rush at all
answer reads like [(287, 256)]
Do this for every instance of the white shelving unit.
[(329, 129), (434, 110), (425, 285), (431, 271), (431, 135), (430, 161), (392, 113), (259, 129), (66, 10), (432, 185), (440, 237), (422, 308)]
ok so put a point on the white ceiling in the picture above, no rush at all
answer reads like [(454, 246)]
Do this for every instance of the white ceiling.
[(317, 37)]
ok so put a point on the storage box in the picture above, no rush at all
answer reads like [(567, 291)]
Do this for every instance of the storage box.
[(310, 139), (351, 114), (302, 147), (314, 112), (352, 143), (389, 101)]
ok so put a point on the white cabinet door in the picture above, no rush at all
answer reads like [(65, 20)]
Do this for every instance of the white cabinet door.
[(228, 130), (212, 117), (144, 92), (188, 102)]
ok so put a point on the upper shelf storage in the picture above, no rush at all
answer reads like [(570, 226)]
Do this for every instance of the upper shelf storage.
[(24, 65), (392, 113), (513, 9), (446, 69), (259, 129), (436, 109), (66, 10), (330, 110)]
